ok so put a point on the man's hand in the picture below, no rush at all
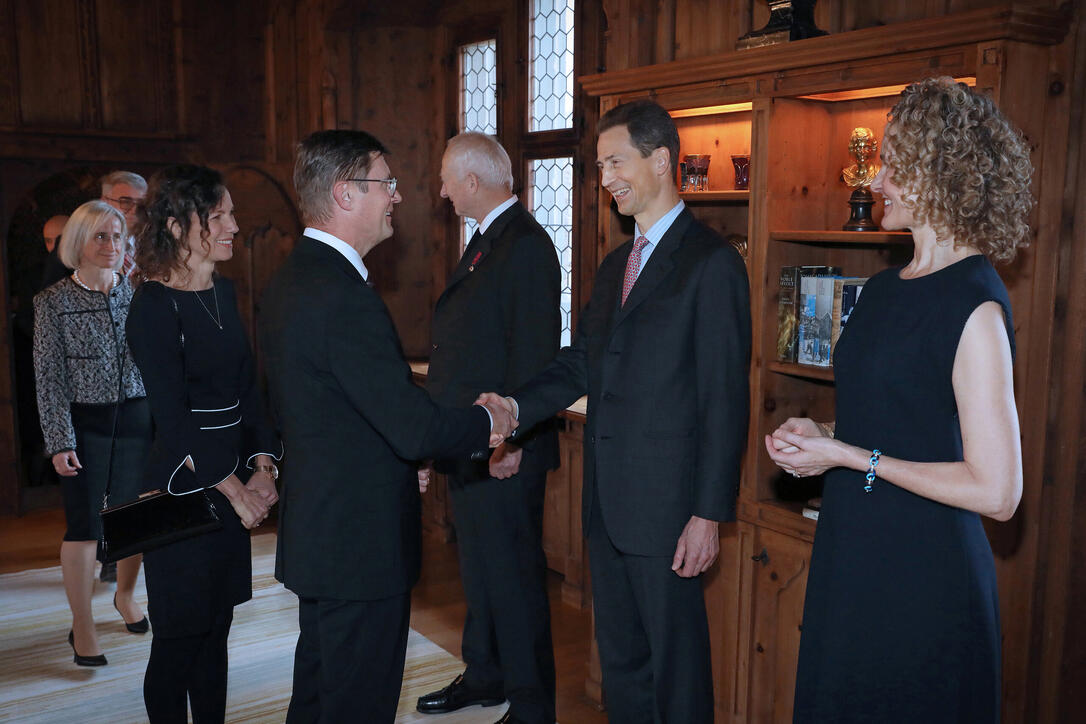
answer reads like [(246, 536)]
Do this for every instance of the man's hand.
[(697, 548), (426, 475), (505, 462), (501, 411)]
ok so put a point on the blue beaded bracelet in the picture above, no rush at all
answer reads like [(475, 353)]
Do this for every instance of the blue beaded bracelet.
[(872, 463)]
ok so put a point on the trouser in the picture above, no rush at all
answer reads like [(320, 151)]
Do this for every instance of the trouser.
[(348, 665), (653, 636), (507, 632)]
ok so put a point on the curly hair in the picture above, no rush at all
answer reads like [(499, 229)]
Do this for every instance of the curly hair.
[(962, 167), (176, 193)]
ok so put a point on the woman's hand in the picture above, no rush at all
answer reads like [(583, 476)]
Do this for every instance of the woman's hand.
[(251, 508), (262, 483), (66, 463), (801, 447)]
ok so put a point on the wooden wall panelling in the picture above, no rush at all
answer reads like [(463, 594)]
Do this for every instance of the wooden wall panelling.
[(1056, 657), (134, 44), (49, 61), (9, 66)]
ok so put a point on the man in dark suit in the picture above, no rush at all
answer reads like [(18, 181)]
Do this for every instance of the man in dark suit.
[(495, 326), (662, 350), (354, 423)]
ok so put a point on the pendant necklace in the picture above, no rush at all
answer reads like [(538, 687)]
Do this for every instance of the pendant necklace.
[(216, 317)]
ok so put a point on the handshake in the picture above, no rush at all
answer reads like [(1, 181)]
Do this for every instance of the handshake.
[(503, 411)]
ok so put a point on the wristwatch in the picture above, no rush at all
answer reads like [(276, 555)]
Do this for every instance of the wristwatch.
[(267, 469)]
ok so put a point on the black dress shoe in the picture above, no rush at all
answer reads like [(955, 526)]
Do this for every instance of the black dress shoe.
[(507, 718), (139, 627), (99, 660), (457, 695)]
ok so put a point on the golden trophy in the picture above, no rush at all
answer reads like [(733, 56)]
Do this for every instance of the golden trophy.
[(862, 146)]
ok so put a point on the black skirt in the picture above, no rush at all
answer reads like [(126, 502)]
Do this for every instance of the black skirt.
[(119, 459)]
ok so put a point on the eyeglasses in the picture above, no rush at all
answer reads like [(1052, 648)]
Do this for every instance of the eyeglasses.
[(125, 203), (390, 181), (102, 238)]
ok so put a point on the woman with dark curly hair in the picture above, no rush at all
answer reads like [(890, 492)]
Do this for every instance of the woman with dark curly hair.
[(901, 620), (210, 434)]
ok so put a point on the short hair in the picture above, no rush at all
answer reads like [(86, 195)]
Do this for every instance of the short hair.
[(482, 155), (649, 125), (323, 159), (178, 193), (84, 221), (113, 178), (962, 167)]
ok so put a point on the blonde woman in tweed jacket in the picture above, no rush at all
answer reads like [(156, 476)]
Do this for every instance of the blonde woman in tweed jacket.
[(93, 409)]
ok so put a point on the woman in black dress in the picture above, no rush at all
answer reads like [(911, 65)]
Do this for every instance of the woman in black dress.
[(94, 414), (901, 620), (210, 434)]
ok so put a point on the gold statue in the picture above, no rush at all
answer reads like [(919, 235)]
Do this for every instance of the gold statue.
[(862, 145)]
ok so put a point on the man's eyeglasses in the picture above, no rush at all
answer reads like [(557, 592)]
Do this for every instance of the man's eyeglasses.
[(125, 203), (390, 181)]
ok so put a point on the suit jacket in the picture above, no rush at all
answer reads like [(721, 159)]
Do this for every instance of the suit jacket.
[(666, 377), (497, 324), (353, 420)]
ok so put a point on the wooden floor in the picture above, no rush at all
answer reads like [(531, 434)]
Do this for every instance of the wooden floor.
[(437, 612)]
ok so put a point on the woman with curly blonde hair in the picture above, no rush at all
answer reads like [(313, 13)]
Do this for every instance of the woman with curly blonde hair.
[(901, 620)]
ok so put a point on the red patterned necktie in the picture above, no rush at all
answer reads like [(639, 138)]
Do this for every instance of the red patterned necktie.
[(633, 266)]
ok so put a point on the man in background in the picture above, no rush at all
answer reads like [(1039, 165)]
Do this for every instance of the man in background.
[(124, 190), (495, 326)]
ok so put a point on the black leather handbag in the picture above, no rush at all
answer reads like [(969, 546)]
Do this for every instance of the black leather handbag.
[(153, 520)]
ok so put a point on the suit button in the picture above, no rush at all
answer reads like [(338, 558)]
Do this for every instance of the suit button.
[(592, 439), (608, 396), (435, 346)]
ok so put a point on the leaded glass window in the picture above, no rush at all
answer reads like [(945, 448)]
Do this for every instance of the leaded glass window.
[(478, 100), (551, 82), (551, 202)]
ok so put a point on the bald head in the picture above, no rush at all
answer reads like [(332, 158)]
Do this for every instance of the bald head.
[(476, 174), (51, 231)]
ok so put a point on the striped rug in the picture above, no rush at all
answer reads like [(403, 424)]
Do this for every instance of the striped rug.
[(39, 684)]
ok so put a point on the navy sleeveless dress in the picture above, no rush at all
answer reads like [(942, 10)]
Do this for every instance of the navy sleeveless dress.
[(901, 619)]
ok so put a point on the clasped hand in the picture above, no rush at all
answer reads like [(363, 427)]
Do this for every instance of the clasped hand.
[(248, 502), (800, 447), (502, 412)]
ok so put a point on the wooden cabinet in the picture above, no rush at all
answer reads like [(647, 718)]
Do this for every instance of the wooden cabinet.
[(792, 107), (562, 539)]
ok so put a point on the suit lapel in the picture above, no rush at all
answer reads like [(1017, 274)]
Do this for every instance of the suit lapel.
[(656, 269), (480, 248)]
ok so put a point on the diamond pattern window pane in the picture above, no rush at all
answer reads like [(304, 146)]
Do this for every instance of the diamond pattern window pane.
[(551, 83), (551, 202), (478, 100)]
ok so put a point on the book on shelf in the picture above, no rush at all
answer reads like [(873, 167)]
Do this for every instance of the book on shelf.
[(846, 291), (813, 508), (787, 334), (815, 314)]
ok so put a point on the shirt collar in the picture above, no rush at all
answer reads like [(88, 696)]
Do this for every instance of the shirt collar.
[(349, 252), (495, 213), (657, 231)]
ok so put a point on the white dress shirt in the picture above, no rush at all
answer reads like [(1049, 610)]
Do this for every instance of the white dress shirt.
[(349, 252)]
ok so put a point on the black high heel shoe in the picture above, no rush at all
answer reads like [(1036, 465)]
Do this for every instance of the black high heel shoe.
[(99, 660), (139, 627)]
